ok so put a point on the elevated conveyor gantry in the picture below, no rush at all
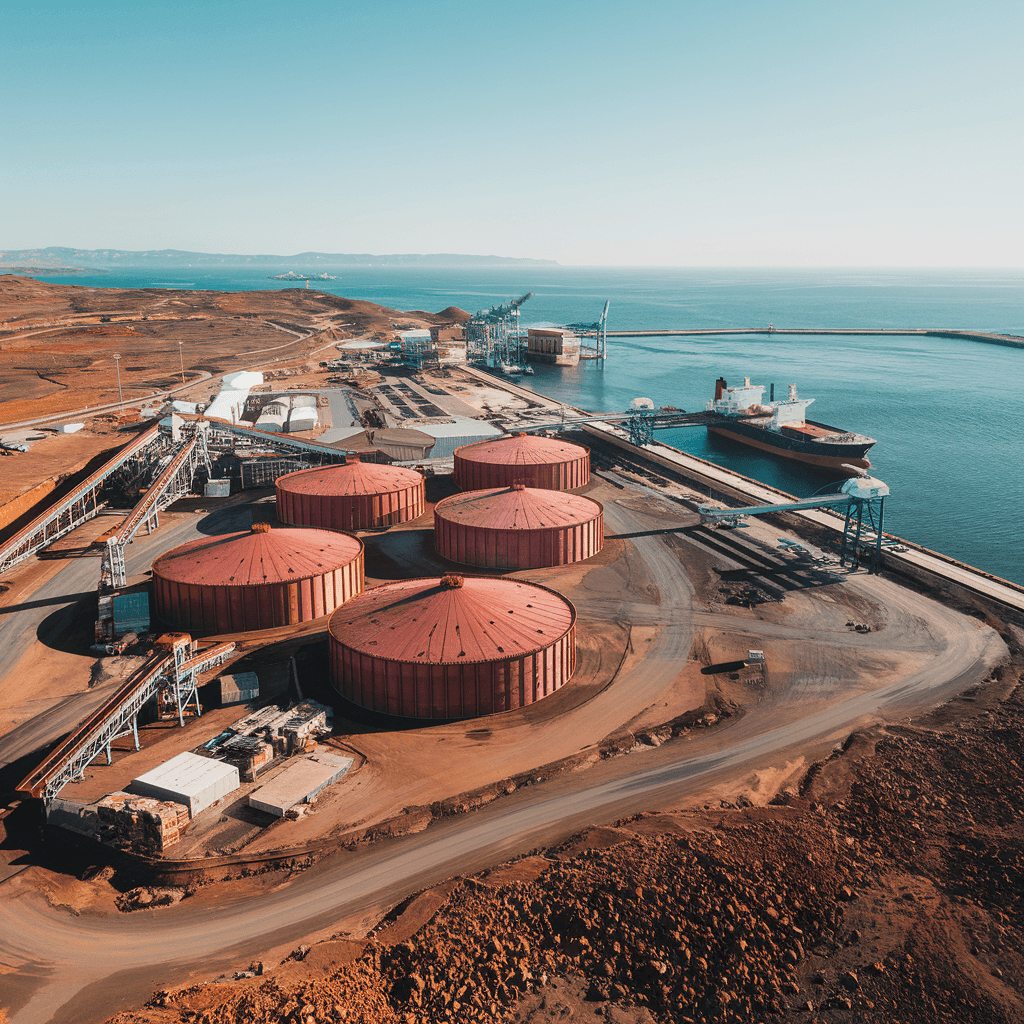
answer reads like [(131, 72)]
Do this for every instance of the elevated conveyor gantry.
[(82, 504), (862, 498), (174, 480), (171, 676)]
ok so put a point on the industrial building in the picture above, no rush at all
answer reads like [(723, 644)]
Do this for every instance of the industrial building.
[(518, 527), (257, 579), (354, 496), (452, 647), (551, 463), (191, 780), (557, 345)]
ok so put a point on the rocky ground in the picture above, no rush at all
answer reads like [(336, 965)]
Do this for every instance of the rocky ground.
[(887, 888)]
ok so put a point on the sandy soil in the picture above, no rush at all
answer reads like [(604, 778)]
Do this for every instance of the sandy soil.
[(884, 887), (57, 341)]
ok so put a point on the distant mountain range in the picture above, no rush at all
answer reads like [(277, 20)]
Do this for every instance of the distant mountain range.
[(58, 257)]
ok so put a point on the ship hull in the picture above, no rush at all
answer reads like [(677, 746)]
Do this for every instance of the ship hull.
[(813, 453)]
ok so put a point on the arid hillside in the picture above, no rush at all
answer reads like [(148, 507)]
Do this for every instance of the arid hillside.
[(57, 341)]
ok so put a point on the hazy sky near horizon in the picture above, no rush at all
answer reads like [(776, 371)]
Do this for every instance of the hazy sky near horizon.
[(694, 132)]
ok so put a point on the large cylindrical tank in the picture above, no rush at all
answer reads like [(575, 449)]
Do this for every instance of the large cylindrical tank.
[(452, 647), (518, 527), (257, 579), (354, 496), (551, 463)]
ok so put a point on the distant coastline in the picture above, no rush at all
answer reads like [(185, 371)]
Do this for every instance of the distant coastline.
[(56, 259), (51, 271)]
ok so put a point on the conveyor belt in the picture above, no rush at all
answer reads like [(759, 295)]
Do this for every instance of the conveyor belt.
[(73, 510)]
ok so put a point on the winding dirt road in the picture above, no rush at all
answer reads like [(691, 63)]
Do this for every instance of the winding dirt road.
[(74, 968)]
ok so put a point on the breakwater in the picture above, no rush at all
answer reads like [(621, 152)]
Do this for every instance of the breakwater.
[(1008, 340)]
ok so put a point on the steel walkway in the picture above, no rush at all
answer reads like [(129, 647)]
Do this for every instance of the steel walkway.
[(80, 505), (175, 480), (174, 674)]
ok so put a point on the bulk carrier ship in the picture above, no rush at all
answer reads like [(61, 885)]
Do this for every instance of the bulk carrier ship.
[(782, 428)]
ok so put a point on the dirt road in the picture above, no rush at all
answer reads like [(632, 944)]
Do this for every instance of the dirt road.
[(70, 967), (106, 963)]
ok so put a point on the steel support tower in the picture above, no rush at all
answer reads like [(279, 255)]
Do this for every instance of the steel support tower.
[(593, 337), (494, 337)]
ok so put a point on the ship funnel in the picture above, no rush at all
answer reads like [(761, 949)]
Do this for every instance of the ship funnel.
[(720, 386)]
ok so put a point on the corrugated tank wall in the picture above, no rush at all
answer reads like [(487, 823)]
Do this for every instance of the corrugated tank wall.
[(477, 470), (203, 609), (517, 549), (350, 511), (451, 691)]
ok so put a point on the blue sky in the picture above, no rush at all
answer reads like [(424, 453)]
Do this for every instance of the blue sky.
[(699, 132)]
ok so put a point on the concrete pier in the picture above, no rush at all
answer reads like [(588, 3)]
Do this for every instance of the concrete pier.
[(1008, 340)]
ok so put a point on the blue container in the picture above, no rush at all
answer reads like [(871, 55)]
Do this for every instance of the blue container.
[(131, 612)]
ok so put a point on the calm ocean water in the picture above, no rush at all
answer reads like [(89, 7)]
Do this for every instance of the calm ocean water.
[(946, 414)]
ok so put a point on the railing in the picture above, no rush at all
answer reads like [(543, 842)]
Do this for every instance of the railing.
[(174, 481), (72, 511), (171, 672)]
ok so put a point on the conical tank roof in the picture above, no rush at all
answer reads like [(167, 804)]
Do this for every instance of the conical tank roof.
[(518, 508), (258, 556), (453, 620), (352, 477), (523, 449)]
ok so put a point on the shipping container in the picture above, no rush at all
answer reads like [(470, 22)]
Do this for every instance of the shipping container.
[(197, 782)]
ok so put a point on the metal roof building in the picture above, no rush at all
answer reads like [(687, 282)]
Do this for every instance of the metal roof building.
[(255, 580), (452, 647), (354, 496), (518, 527), (551, 463), (189, 779)]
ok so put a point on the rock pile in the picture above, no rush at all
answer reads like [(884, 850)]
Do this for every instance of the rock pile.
[(889, 889)]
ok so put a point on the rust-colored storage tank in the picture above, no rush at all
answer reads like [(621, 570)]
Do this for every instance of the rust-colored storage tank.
[(257, 579), (354, 496), (518, 527), (551, 463), (452, 647)]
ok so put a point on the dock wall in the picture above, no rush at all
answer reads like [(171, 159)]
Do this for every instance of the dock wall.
[(965, 584), (987, 337)]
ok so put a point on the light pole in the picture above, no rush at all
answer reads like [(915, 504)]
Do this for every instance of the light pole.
[(181, 359), (120, 396)]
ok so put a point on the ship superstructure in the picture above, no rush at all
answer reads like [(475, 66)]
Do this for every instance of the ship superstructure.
[(783, 428)]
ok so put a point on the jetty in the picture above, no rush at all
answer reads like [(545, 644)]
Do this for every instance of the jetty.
[(1009, 340)]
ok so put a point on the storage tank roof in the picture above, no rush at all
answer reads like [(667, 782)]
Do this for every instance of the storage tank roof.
[(518, 508), (258, 556), (354, 477), (523, 449), (453, 620)]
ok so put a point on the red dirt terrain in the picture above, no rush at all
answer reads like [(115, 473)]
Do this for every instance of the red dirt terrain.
[(889, 888), (57, 341)]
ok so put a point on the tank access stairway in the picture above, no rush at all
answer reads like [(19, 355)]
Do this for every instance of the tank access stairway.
[(82, 504), (862, 498), (174, 480), (171, 676)]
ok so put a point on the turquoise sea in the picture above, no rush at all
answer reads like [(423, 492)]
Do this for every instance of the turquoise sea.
[(948, 415)]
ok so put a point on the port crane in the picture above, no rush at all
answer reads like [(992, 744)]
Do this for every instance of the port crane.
[(493, 336), (598, 332)]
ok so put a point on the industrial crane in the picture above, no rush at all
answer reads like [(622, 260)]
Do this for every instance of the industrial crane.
[(598, 331)]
